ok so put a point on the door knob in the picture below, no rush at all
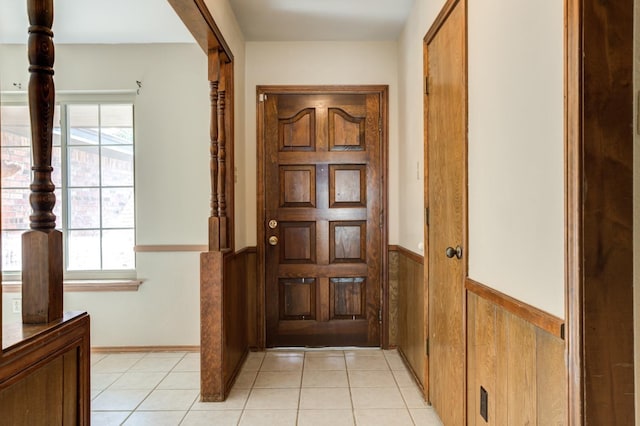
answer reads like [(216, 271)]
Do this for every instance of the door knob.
[(457, 252), (273, 240), (273, 224)]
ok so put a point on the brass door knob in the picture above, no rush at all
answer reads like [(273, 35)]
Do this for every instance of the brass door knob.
[(273, 224), (273, 240)]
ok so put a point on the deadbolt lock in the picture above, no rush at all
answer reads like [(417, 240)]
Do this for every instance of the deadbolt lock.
[(273, 240), (273, 224)]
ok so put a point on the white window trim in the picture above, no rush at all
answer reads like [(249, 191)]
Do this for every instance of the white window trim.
[(82, 97)]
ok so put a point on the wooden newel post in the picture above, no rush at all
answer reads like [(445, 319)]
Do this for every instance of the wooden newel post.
[(222, 168), (218, 234), (42, 246)]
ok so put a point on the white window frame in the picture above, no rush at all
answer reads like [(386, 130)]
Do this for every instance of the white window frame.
[(64, 99)]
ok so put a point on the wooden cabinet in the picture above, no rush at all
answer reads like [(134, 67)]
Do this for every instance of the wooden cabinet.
[(45, 373)]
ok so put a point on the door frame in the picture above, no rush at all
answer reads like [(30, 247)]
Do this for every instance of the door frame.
[(261, 91), (588, 82), (438, 23)]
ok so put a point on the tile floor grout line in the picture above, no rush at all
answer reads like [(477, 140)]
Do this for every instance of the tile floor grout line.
[(389, 360), (197, 396), (153, 389), (246, 401), (346, 370), (304, 360)]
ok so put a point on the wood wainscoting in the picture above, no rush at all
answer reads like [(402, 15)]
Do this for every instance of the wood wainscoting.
[(407, 327), (227, 309), (44, 373), (520, 364)]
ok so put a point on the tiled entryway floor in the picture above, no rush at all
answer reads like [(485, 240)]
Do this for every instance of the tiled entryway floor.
[(279, 387)]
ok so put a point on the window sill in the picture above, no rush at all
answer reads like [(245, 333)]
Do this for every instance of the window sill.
[(82, 285)]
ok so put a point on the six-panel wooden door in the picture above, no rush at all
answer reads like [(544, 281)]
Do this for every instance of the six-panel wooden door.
[(323, 219)]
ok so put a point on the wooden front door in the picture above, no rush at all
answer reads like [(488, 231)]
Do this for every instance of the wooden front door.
[(446, 133), (323, 199)]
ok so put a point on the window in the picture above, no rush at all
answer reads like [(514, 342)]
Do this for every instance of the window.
[(93, 160)]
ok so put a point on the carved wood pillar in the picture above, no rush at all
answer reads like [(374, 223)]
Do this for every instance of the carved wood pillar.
[(218, 235), (222, 168), (42, 246), (214, 77), (213, 149)]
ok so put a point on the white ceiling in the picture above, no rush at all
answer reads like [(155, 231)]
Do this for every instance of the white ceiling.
[(154, 21), (99, 21), (321, 20)]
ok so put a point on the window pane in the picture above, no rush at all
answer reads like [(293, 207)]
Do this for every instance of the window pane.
[(16, 167), (84, 208), (117, 208), (117, 249), (84, 166), (12, 250), (84, 124), (84, 250), (99, 171), (15, 208), (56, 127), (56, 162), (16, 127), (117, 165), (57, 209), (116, 124)]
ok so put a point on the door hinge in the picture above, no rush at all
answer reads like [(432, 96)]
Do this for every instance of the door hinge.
[(426, 216), (426, 85), (380, 315), (427, 347), (379, 125)]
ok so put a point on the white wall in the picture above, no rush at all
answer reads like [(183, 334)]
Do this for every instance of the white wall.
[(172, 182), (516, 149), (516, 210), (319, 63), (410, 72)]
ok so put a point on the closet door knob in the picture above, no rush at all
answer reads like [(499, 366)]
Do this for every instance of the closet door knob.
[(451, 252)]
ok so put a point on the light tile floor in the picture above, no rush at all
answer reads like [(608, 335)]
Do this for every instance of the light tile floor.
[(278, 387)]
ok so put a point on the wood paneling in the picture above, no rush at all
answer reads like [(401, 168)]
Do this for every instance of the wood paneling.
[(298, 186), (346, 132), (535, 316), (44, 373), (298, 132), (411, 326), (227, 295), (347, 185), (297, 298), (521, 366)]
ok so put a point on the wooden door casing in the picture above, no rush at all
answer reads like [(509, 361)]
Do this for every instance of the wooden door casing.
[(322, 173), (446, 199)]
